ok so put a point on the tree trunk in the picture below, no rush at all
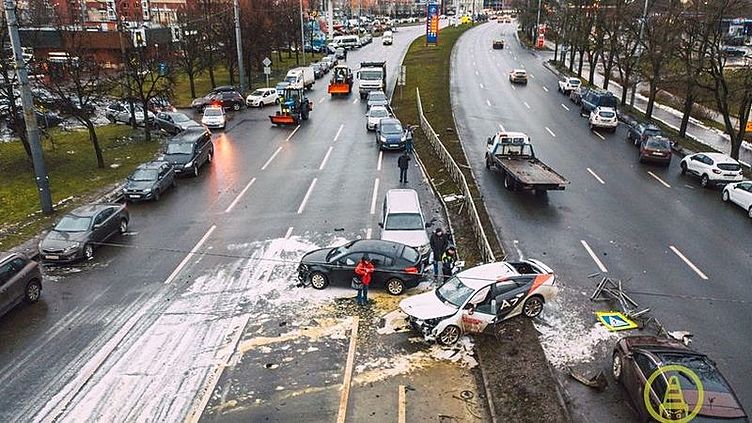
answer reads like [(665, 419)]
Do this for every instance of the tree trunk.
[(580, 63), (608, 67), (651, 99), (572, 52), (689, 101), (556, 49), (624, 86), (95, 143), (191, 80), (147, 127), (211, 71), (593, 63)]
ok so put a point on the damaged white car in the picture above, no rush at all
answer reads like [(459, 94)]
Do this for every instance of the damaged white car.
[(477, 298)]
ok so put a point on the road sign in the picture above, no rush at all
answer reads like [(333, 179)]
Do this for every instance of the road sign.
[(432, 24), (615, 321), (139, 37), (267, 70), (162, 68), (266, 62)]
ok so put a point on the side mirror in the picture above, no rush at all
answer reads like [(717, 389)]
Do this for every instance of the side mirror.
[(489, 141), (428, 224), (381, 225), (470, 308)]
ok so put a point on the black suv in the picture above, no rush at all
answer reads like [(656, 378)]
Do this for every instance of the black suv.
[(639, 132), (226, 96), (149, 181), (20, 280), (189, 150), (597, 98)]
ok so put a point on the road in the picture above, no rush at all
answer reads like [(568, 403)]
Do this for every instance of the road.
[(683, 252), (160, 324)]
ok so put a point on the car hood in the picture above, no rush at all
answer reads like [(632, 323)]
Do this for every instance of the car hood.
[(253, 98), (426, 306), (188, 124), (138, 185), (212, 119), (58, 239), (416, 238), (378, 103), (392, 137), (315, 256)]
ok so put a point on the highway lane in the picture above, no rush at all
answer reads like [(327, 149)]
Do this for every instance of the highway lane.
[(630, 219), (146, 300)]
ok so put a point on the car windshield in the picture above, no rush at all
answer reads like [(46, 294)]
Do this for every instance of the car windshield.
[(391, 128), (651, 131), (404, 222), (179, 148), (608, 101), (212, 112), (712, 381), (370, 75), (607, 114), (574, 82), (378, 112), (291, 78), (73, 223), (658, 144), (144, 175), (337, 252), (179, 117), (376, 97), (454, 292)]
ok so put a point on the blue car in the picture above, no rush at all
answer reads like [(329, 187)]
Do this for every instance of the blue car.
[(390, 135)]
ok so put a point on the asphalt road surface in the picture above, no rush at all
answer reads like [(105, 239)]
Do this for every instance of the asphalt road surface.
[(146, 329), (683, 252)]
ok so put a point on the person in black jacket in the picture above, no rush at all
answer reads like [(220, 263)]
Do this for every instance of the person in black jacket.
[(403, 162), (439, 243)]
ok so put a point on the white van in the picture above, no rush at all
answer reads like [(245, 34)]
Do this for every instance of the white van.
[(302, 77), (402, 221), (349, 42), (388, 38)]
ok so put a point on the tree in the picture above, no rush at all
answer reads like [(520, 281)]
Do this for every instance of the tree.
[(8, 94), (625, 54), (191, 57), (660, 39), (149, 76)]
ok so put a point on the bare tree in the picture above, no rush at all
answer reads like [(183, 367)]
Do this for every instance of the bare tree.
[(150, 76), (660, 38), (8, 94), (191, 56), (625, 54)]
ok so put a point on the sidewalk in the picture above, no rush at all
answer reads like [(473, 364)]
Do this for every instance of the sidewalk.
[(671, 117)]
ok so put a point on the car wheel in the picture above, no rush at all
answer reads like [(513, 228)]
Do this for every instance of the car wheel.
[(641, 159), (450, 335), (749, 212), (33, 292), (123, 227), (725, 196), (395, 286), (210, 157), (533, 307), (509, 182), (88, 252), (683, 167), (704, 181), (236, 106), (319, 280), (617, 366)]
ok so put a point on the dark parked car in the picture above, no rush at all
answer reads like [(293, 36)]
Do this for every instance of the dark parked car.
[(44, 97), (597, 98), (20, 280), (149, 181), (227, 99), (498, 44), (173, 122), (44, 119), (733, 52), (656, 149), (576, 95), (82, 230), (189, 150), (398, 266), (636, 358), (390, 134), (641, 131), (318, 70)]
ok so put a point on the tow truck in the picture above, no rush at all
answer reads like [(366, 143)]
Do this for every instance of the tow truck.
[(341, 82), (512, 154), (371, 77), (294, 108)]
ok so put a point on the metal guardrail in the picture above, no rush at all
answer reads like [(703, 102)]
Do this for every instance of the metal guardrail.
[(459, 178)]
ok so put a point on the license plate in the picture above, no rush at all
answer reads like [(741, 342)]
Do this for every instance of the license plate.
[(134, 196), (657, 154), (393, 145), (49, 257)]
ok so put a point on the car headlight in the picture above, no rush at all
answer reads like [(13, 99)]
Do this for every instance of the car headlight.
[(382, 138), (73, 247), (189, 164), (147, 190)]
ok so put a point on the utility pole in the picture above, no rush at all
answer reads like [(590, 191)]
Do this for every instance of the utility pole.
[(639, 53), (126, 67), (302, 32), (239, 46), (27, 103), (330, 19)]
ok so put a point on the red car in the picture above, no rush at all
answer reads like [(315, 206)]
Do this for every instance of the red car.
[(656, 149), (636, 358)]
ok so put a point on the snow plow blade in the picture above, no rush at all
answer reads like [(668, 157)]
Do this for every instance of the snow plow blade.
[(283, 120), (339, 89)]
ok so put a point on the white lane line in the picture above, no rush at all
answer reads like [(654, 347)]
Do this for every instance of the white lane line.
[(593, 256), (239, 196), (657, 178), (369, 232), (293, 133), (339, 131), (271, 158), (345, 395), (473, 63), (481, 85), (598, 134), (565, 107), (307, 195), (513, 87), (322, 99), (326, 157), (488, 102), (355, 100), (545, 89), (375, 194), (531, 75), (526, 105), (550, 132), (288, 233), (520, 256), (476, 73), (596, 176), (381, 157), (401, 408), (522, 66), (689, 263), (515, 57), (193, 251)]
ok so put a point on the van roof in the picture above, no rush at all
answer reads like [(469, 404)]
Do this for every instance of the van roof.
[(402, 201)]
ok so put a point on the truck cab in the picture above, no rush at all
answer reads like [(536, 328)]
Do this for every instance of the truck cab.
[(371, 77), (509, 144)]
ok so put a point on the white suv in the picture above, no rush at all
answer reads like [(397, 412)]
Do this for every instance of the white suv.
[(402, 221), (712, 168), (604, 117), (568, 84)]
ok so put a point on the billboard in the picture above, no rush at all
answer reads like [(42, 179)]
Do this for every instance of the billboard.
[(432, 23)]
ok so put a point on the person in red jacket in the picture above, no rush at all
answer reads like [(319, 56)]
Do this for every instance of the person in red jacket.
[(363, 270)]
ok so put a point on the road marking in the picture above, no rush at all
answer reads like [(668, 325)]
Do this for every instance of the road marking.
[(689, 263), (193, 251), (545, 89), (550, 132), (565, 107), (322, 99), (481, 85), (593, 256), (597, 134), (502, 128), (513, 87), (345, 395), (239, 196), (307, 195), (476, 73), (526, 105), (657, 178), (401, 412), (381, 156), (488, 102), (271, 158), (339, 131), (531, 75), (355, 100), (473, 63), (689, 186), (326, 157), (375, 194), (522, 66), (369, 232), (515, 57), (596, 176), (293, 133), (288, 233)]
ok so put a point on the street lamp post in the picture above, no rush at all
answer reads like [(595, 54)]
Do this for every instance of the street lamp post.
[(302, 32), (239, 46)]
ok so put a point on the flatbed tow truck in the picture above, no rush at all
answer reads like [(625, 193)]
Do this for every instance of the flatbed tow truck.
[(512, 154)]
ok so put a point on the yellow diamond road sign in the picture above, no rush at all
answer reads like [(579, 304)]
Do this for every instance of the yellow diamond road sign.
[(613, 320)]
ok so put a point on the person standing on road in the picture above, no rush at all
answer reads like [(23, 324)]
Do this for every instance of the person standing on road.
[(439, 243), (403, 162), (448, 259), (363, 270), (409, 139)]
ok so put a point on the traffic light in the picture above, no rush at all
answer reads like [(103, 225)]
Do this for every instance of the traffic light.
[(139, 37)]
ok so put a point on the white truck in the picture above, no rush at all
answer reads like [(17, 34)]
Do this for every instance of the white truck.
[(371, 77), (302, 77)]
